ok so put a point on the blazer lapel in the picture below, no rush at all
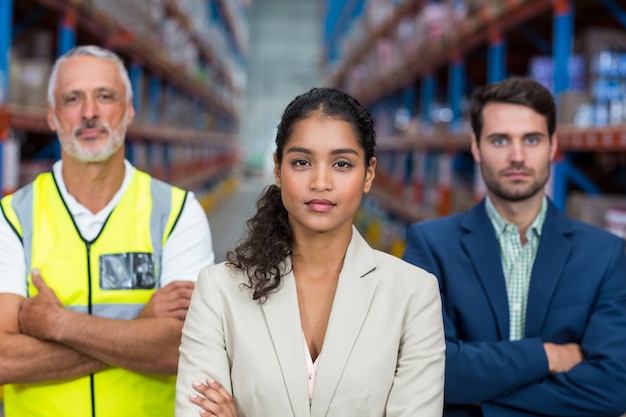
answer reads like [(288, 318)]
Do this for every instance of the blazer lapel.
[(554, 248), (350, 307), (482, 246), (282, 317)]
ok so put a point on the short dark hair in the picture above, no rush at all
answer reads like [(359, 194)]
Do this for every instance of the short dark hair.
[(516, 90)]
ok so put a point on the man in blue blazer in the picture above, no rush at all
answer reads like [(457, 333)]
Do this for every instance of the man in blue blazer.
[(534, 303)]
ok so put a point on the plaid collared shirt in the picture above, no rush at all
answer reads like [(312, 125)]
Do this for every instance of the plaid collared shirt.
[(517, 263)]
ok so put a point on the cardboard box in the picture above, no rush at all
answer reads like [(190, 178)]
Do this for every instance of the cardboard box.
[(572, 104), (29, 81), (593, 209)]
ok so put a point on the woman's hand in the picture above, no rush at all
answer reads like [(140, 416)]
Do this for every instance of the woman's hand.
[(214, 399)]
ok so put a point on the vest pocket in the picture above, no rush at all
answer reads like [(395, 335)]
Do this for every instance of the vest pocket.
[(127, 271)]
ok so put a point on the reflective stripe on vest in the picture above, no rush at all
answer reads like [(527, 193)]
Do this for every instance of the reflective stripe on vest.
[(160, 219), (129, 246)]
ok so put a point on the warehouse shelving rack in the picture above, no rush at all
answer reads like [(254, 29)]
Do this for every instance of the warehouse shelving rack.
[(211, 152), (490, 43), (195, 154)]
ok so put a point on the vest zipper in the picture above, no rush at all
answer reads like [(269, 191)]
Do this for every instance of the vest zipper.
[(89, 301), (89, 311)]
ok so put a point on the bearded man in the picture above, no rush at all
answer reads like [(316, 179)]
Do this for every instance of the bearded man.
[(534, 303), (98, 262)]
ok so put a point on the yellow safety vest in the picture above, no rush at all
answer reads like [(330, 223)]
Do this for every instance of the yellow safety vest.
[(113, 275)]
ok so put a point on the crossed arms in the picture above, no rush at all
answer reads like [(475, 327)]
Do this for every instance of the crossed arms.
[(40, 340), (576, 377)]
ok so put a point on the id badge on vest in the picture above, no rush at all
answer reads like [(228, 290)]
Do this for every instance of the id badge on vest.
[(127, 271)]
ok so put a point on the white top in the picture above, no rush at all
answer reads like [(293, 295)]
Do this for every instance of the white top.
[(311, 367), (187, 250)]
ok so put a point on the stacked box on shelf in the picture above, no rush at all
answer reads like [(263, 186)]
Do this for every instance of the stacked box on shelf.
[(605, 53), (10, 164), (198, 12), (241, 21), (377, 12), (29, 170), (30, 66), (395, 173), (31, 63), (387, 58), (382, 231), (355, 34), (173, 108), (415, 191), (186, 110), (435, 19), (178, 46), (406, 35), (541, 69), (430, 193), (32, 54), (172, 167), (140, 156), (605, 211), (444, 186), (189, 153), (615, 220), (573, 104), (474, 7), (29, 81), (199, 160), (178, 161), (139, 16), (157, 162), (413, 32)]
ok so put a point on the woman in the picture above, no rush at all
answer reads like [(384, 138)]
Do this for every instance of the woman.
[(305, 319)]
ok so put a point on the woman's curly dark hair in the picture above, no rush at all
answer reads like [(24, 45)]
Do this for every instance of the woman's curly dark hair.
[(269, 238)]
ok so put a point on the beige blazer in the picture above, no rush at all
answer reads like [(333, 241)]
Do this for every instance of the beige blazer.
[(383, 352)]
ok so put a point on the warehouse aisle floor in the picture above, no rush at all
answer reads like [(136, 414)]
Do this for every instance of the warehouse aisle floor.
[(228, 217)]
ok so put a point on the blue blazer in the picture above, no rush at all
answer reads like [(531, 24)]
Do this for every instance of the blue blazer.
[(577, 294)]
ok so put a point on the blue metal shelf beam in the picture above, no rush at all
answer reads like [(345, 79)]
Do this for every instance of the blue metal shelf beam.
[(6, 27), (154, 99), (197, 112), (563, 171), (544, 46), (135, 72), (427, 98), (456, 91), (219, 17), (615, 9), (30, 20), (66, 41), (562, 44), (408, 99), (409, 166), (67, 32), (339, 18), (496, 58)]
